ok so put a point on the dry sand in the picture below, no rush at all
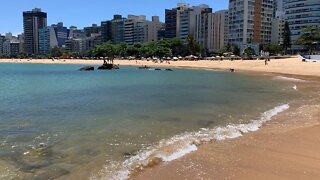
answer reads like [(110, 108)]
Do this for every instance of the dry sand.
[(293, 65), (288, 147)]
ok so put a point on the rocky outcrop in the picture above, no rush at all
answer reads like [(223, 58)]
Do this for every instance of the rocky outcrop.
[(87, 68), (108, 67)]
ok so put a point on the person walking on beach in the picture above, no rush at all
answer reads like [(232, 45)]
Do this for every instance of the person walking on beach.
[(266, 62)]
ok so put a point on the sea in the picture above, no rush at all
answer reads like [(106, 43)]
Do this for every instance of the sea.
[(57, 122)]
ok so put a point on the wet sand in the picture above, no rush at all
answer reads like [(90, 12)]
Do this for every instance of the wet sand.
[(293, 65), (288, 147)]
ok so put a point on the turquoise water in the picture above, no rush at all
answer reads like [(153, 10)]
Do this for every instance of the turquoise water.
[(56, 121)]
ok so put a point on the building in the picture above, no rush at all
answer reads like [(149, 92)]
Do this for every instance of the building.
[(117, 29), (11, 47), (204, 29), (171, 23), (106, 31), (277, 31), (181, 21), (52, 36), (61, 34), (301, 14), (278, 12), (137, 29), (133, 29), (94, 29), (221, 29), (2, 39), (32, 22), (44, 40), (250, 23)]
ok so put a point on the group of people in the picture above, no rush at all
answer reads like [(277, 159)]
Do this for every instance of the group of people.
[(108, 60)]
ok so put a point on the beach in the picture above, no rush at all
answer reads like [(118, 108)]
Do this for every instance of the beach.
[(286, 147), (292, 66)]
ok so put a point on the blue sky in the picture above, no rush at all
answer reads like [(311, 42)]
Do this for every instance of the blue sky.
[(83, 13)]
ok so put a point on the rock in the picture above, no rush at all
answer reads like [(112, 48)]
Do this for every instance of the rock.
[(87, 68), (108, 67), (169, 70)]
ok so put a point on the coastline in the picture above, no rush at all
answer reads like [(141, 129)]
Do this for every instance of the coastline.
[(290, 66), (277, 151), (282, 149)]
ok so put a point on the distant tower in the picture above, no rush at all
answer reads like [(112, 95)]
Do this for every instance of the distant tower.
[(32, 22)]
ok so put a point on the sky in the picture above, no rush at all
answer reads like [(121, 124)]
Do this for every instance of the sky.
[(83, 13)]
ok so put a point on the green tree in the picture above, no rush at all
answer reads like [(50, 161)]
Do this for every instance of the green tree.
[(286, 36), (249, 51), (104, 50), (192, 46), (310, 37), (56, 52)]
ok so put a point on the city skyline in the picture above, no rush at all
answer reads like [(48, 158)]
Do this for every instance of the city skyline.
[(76, 13)]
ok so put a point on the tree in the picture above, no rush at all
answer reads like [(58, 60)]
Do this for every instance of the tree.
[(249, 51), (272, 48), (104, 50), (192, 46), (286, 36), (56, 52), (310, 37), (121, 49)]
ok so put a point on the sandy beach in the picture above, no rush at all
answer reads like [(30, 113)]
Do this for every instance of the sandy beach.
[(293, 65), (288, 147)]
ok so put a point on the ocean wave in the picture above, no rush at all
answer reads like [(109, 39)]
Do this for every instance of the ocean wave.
[(180, 145), (283, 78)]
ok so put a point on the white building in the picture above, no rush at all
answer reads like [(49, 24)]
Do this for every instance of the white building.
[(250, 23)]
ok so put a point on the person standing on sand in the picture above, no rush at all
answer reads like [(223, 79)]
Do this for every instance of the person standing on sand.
[(266, 62)]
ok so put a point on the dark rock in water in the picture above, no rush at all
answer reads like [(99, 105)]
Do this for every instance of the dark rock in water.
[(108, 67), (157, 69), (144, 68), (129, 154), (169, 70), (87, 68)]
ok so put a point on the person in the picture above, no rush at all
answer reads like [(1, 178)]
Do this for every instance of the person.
[(266, 62)]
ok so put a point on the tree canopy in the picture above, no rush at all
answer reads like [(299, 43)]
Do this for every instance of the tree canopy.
[(310, 37), (162, 48)]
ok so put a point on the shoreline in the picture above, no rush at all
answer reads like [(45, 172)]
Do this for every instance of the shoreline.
[(287, 147), (288, 66), (250, 157)]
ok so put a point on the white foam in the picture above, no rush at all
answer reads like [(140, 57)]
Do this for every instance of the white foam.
[(179, 153), (188, 142), (289, 79)]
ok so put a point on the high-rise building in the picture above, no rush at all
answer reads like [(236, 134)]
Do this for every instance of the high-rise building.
[(1, 43), (250, 23), (117, 29), (94, 29), (171, 23), (204, 29), (52, 36), (106, 31), (44, 40), (181, 21), (137, 29), (221, 29), (32, 22), (301, 14), (278, 12)]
